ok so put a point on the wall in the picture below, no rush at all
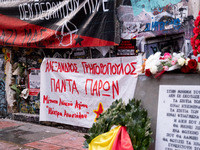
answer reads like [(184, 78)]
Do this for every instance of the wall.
[(3, 102), (146, 19), (194, 6)]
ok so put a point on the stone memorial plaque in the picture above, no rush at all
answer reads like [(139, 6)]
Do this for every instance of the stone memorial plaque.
[(178, 119)]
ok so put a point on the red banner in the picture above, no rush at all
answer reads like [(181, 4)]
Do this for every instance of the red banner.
[(58, 24)]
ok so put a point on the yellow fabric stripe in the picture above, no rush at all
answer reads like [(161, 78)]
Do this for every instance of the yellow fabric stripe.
[(105, 140)]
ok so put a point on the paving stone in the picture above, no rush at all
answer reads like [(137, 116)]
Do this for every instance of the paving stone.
[(44, 146), (11, 146), (7, 124), (17, 135)]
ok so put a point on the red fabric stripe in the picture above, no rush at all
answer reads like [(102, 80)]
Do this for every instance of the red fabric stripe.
[(122, 140), (15, 32)]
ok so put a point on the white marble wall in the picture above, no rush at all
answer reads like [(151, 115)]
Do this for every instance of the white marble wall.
[(194, 7)]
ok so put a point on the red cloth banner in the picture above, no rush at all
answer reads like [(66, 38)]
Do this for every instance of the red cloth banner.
[(122, 140), (58, 24)]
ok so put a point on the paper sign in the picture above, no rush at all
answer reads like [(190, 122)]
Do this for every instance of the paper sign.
[(34, 82)]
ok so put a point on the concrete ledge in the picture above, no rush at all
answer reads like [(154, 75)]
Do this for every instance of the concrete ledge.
[(34, 118)]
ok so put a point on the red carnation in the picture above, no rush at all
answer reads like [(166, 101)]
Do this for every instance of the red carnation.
[(197, 42), (195, 52), (192, 64), (185, 69), (148, 72), (196, 22), (192, 41), (199, 59), (196, 30), (194, 48), (195, 36)]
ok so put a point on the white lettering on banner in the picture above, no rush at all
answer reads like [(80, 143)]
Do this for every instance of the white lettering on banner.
[(93, 5), (60, 9), (71, 90), (178, 107), (8, 1), (66, 29), (47, 10)]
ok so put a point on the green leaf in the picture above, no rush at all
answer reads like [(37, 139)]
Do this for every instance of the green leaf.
[(15, 88)]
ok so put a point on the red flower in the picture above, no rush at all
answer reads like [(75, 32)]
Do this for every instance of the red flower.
[(196, 22), (197, 42), (195, 52), (148, 72), (185, 69), (196, 30), (194, 48), (195, 36), (192, 41), (162, 58), (199, 59), (192, 64)]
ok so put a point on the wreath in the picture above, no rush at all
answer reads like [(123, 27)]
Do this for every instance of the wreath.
[(132, 115)]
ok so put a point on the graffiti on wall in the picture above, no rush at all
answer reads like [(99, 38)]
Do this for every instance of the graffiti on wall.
[(31, 59), (150, 5), (142, 19), (152, 18), (3, 102)]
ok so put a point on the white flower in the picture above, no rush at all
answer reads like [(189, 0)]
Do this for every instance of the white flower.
[(150, 64), (181, 61), (153, 69), (178, 55), (157, 63), (153, 60), (157, 55), (149, 60), (186, 61), (198, 68)]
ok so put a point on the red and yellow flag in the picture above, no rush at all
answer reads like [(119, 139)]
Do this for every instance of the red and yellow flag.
[(115, 139)]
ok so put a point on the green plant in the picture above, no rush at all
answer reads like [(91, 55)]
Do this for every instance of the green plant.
[(16, 89), (132, 115)]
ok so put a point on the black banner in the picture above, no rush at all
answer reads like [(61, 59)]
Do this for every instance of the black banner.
[(58, 24)]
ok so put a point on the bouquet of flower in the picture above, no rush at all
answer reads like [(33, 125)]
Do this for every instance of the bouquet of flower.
[(156, 64), (195, 41)]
